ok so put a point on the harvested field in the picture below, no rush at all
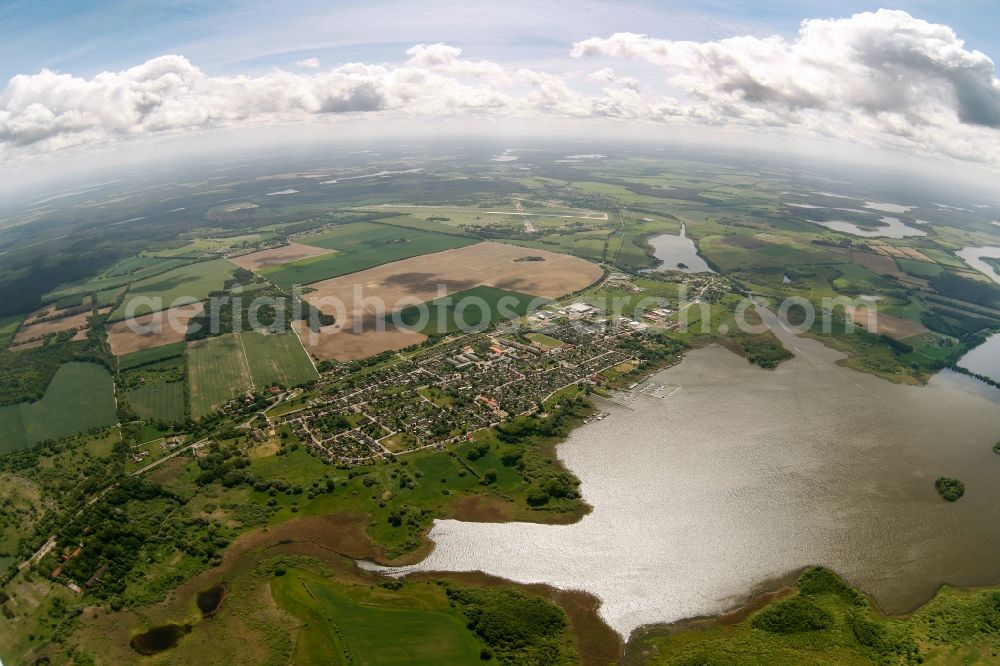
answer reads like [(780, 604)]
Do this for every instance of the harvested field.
[(30, 344), (256, 261), (346, 345), (916, 254), (420, 279), (40, 313), (40, 329), (884, 264), (151, 330), (360, 246), (877, 263), (886, 324), (901, 252)]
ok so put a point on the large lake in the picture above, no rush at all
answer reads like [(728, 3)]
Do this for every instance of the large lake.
[(744, 475), (673, 250), (985, 359), (974, 257), (892, 227)]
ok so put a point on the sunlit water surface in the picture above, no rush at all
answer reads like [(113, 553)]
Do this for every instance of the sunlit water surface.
[(673, 250), (744, 475)]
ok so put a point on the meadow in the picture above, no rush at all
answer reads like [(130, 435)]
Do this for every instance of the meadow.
[(163, 401), (825, 621), (348, 624), (217, 373), (360, 245), (277, 359), (182, 285), (79, 397), (8, 327)]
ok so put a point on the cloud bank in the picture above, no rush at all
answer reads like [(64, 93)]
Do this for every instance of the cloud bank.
[(882, 79)]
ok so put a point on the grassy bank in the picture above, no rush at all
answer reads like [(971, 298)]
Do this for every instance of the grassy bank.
[(822, 620)]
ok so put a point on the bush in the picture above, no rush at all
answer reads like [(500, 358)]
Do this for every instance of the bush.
[(792, 616)]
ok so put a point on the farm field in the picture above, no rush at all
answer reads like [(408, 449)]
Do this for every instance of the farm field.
[(40, 329), (202, 246), (217, 373), (276, 359), (472, 308), (8, 327), (506, 213), (278, 256), (919, 269), (151, 330), (882, 323), (421, 279), (146, 356), (359, 246), (125, 272), (163, 401), (221, 368), (354, 620), (80, 396), (182, 285)]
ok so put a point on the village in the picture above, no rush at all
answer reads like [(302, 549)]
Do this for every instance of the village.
[(444, 395)]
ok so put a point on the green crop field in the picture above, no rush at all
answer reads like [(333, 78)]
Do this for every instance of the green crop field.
[(125, 272), (8, 327), (146, 356), (277, 359), (163, 401), (348, 624), (217, 372), (80, 396), (187, 284), (544, 340), (920, 269), (585, 244), (479, 306), (359, 246)]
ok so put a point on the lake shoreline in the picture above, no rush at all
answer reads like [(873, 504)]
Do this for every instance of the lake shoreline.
[(899, 600)]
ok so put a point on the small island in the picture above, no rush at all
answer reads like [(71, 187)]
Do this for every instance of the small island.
[(996, 448), (950, 489), (681, 265)]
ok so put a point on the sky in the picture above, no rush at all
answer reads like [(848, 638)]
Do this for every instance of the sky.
[(917, 77)]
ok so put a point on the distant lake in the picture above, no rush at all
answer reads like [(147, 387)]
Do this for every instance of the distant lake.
[(743, 475), (985, 359), (892, 227), (674, 249), (974, 257), (887, 207)]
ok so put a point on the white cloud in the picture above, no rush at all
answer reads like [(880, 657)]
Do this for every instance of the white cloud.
[(445, 59), (608, 77), (882, 79)]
